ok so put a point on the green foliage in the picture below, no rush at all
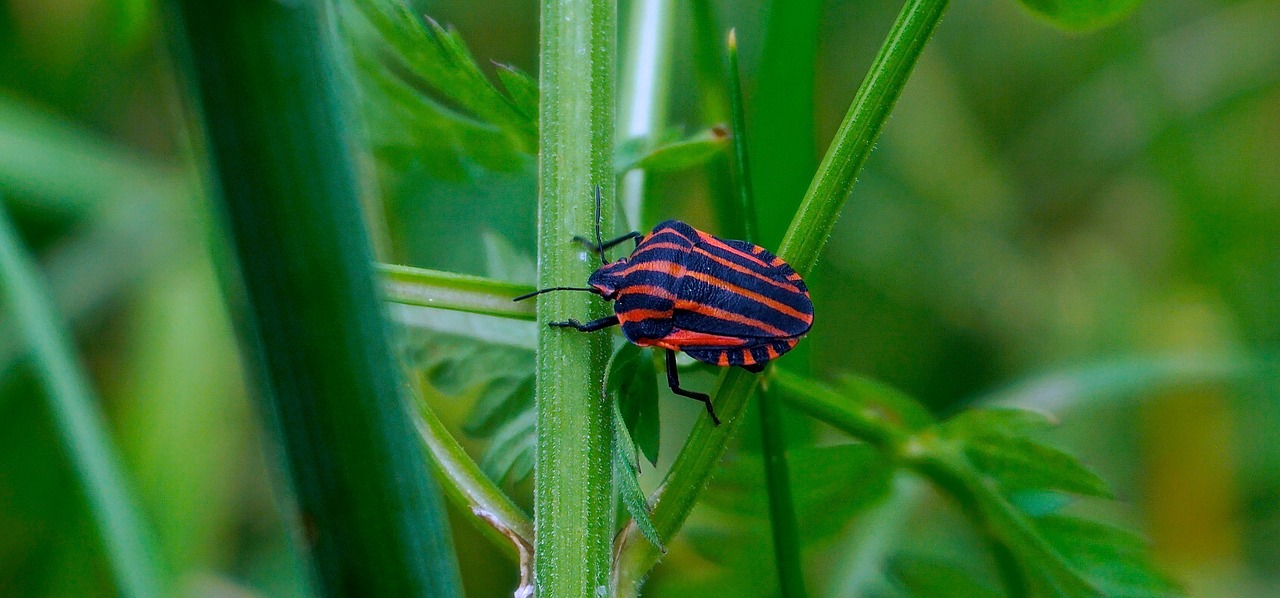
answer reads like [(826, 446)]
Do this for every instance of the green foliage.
[(925, 577), (1081, 15), (670, 152), (631, 382), (625, 464), (997, 442)]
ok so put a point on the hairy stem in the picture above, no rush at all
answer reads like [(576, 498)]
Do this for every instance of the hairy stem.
[(573, 499)]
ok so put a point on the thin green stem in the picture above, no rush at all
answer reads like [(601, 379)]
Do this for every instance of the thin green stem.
[(782, 514), (875, 99), (457, 292), (504, 523), (801, 248), (573, 498), (74, 408), (773, 442)]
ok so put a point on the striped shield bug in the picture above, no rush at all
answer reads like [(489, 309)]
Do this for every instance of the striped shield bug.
[(723, 302)]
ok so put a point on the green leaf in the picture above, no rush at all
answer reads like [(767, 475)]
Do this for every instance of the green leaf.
[(698, 149), (925, 577), (997, 421), (510, 455), (426, 53), (624, 475), (522, 89), (1081, 15), (996, 442), (1024, 464), (501, 401), (632, 383), (1115, 560)]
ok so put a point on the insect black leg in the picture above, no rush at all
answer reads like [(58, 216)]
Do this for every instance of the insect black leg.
[(610, 244), (673, 380), (591, 326)]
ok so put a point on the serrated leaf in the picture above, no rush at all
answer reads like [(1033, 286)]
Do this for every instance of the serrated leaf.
[(692, 151), (1024, 464), (510, 454), (522, 89), (1081, 15), (499, 402), (632, 382), (924, 577), (504, 262), (624, 475), (1116, 560), (996, 443)]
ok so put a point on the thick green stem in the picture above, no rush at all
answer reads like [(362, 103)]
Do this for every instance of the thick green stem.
[(369, 513), (75, 415), (801, 247), (573, 499)]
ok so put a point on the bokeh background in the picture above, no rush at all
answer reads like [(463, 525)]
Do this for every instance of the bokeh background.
[(1085, 223)]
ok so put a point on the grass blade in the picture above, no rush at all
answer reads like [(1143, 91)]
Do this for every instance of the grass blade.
[(370, 514), (79, 424), (573, 498)]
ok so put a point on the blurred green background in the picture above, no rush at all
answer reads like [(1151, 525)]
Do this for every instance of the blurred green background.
[(1083, 223)]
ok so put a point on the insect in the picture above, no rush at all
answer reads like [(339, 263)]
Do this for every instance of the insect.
[(723, 302)]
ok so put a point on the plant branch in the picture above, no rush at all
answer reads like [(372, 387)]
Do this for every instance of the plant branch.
[(573, 495), (801, 247), (457, 292), (124, 537), (505, 523)]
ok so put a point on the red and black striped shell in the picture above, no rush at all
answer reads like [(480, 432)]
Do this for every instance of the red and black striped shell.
[(723, 302)]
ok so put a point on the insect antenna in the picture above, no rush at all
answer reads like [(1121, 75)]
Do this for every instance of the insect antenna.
[(548, 290)]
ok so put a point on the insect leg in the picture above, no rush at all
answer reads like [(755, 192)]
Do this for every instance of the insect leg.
[(673, 380), (591, 326), (610, 244)]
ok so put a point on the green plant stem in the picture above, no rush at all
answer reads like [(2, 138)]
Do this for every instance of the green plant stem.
[(801, 247), (782, 514), (773, 443), (504, 523), (457, 292), (369, 514), (573, 498), (79, 424), (875, 99), (645, 79)]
